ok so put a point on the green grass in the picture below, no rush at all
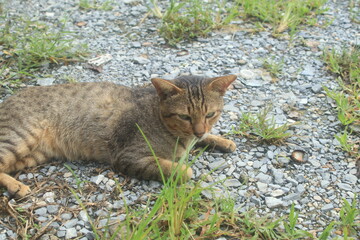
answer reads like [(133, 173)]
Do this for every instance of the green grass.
[(282, 15), (95, 4), (346, 67), (273, 67), (29, 45), (189, 19), (261, 128)]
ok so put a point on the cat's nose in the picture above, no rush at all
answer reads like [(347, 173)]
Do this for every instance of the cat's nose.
[(199, 134)]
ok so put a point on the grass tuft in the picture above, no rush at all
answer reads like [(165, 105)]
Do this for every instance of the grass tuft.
[(274, 67), (346, 66), (283, 14), (189, 19), (29, 45), (261, 128), (95, 4)]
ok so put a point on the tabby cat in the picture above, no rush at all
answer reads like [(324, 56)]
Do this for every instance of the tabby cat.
[(97, 121)]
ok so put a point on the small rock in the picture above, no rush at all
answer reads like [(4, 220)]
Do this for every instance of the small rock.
[(66, 216), (257, 164), (218, 165), (254, 83), (308, 70), (232, 183), (277, 193), (262, 186), (45, 81), (247, 74), (53, 208), (118, 204), (316, 88), (61, 233), (345, 186), (272, 202), (317, 198), (264, 178), (141, 60), (352, 179), (67, 174), (136, 45), (327, 207), (71, 223), (324, 183), (41, 211), (70, 233), (83, 216), (292, 197), (97, 179)]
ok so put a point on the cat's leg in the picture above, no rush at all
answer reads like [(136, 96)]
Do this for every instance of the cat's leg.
[(219, 143), (18, 150), (146, 168), (16, 188), (13, 186)]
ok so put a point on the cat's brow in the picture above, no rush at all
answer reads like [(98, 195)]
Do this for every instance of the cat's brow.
[(169, 115)]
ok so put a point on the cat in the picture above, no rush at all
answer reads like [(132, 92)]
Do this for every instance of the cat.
[(98, 122)]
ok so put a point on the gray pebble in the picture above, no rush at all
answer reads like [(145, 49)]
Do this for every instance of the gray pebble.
[(97, 179), (66, 216), (52, 208), (70, 233), (45, 81), (292, 197), (345, 186), (41, 211), (317, 88), (232, 183), (71, 223), (352, 179), (327, 207), (61, 233), (219, 165), (272, 202)]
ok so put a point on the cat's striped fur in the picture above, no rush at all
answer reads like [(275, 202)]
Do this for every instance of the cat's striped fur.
[(97, 122)]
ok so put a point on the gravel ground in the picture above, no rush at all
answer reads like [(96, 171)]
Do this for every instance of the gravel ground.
[(138, 53)]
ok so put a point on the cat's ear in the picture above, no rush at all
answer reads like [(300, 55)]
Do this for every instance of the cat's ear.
[(165, 88), (220, 84)]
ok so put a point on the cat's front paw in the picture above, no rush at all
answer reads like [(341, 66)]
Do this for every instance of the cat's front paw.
[(228, 146), (19, 190), (187, 173)]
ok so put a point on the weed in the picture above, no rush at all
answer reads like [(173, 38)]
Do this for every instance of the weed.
[(70, 79), (189, 19), (347, 106), (284, 14), (354, 6), (290, 225), (94, 4), (345, 142), (261, 128), (29, 45), (349, 224), (274, 67), (349, 213), (346, 66)]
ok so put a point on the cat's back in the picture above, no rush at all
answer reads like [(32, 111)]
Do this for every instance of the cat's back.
[(78, 97)]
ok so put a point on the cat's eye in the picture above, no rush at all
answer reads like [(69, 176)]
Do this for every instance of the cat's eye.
[(210, 115), (184, 117)]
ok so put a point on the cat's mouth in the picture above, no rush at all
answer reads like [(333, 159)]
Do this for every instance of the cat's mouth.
[(203, 137)]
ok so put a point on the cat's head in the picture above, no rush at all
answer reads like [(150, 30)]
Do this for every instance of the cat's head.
[(191, 105)]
